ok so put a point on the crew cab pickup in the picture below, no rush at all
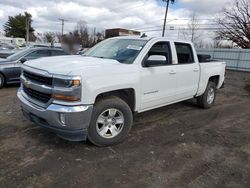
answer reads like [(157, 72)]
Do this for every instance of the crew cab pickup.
[(94, 96)]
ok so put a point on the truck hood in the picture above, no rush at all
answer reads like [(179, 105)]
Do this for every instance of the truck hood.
[(70, 64)]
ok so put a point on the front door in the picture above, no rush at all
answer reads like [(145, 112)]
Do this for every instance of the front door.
[(158, 81)]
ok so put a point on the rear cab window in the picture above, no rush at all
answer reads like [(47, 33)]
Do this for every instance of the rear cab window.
[(184, 53)]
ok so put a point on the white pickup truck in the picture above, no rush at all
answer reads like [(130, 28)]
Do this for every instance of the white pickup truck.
[(94, 96)]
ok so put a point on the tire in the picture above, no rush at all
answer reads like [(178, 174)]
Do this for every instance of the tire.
[(207, 99), (2, 81), (110, 123)]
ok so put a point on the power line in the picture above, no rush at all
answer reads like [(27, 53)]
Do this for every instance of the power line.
[(128, 7), (179, 29), (177, 19), (176, 25), (153, 21), (153, 27)]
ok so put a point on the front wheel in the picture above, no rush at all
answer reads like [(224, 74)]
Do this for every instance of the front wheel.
[(208, 98), (111, 122)]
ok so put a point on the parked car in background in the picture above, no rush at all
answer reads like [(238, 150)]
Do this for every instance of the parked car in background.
[(96, 96), (82, 51), (10, 68), (6, 53), (7, 50), (6, 46)]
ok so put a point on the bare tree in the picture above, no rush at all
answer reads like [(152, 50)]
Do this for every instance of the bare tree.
[(81, 36), (99, 36), (59, 36), (82, 30), (192, 32), (217, 42), (193, 26), (235, 23), (50, 37)]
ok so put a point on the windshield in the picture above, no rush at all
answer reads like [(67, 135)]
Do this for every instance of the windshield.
[(122, 50), (18, 54)]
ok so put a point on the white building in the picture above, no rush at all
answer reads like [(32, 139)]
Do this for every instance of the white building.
[(15, 41)]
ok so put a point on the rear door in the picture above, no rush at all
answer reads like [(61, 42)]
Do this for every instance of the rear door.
[(187, 71), (158, 82)]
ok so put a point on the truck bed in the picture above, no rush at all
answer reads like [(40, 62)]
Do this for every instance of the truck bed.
[(207, 70)]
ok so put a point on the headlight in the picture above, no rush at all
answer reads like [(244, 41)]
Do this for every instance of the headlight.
[(65, 82), (67, 88)]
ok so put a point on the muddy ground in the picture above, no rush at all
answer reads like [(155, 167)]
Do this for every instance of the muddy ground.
[(176, 146)]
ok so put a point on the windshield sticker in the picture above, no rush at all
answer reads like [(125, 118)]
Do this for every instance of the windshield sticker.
[(134, 47)]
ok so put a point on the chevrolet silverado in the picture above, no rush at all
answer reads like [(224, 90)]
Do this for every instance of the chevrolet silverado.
[(94, 96)]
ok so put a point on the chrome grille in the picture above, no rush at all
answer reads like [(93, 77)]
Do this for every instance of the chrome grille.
[(38, 78), (42, 97)]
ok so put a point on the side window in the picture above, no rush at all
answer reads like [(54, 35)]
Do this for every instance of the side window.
[(37, 54), (184, 53), (57, 52), (160, 51)]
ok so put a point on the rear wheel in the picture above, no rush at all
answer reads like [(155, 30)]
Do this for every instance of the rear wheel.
[(111, 122), (208, 98), (2, 80)]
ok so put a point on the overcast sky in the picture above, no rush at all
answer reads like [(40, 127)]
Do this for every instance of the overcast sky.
[(132, 14)]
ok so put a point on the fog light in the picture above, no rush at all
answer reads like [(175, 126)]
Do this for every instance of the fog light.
[(62, 119)]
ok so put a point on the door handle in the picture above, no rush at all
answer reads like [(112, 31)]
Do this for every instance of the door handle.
[(172, 72), (196, 70)]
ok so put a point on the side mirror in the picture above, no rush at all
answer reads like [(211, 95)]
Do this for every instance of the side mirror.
[(22, 60), (156, 60)]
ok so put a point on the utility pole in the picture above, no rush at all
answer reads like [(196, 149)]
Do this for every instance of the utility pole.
[(165, 19), (166, 14), (62, 20), (27, 29)]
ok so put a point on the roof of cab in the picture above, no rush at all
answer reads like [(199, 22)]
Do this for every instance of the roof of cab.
[(150, 38)]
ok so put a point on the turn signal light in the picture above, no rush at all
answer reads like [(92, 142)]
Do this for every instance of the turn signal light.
[(65, 98)]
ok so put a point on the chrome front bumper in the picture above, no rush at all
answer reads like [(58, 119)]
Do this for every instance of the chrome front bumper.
[(68, 122)]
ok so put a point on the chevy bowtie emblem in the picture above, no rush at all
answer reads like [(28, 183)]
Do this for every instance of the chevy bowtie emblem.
[(26, 83)]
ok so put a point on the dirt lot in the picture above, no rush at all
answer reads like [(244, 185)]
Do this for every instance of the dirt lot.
[(175, 146)]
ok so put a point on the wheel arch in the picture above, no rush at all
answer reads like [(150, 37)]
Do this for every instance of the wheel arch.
[(128, 95), (215, 79)]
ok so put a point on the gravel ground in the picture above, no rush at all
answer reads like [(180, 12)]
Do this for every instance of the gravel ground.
[(176, 146)]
